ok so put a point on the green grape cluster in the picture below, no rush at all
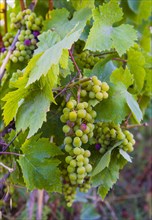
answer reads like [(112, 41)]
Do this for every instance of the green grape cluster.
[(30, 26), (78, 46), (107, 134), (94, 89), (79, 119), (15, 77), (26, 20), (86, 60)]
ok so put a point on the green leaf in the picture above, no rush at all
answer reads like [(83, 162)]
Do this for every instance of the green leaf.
[(64, 59), (125, 155), (122, 75), (12, 104), (60, 23), (51, 56), (46, 40), (32, 113), (134, 5), (136, 62), (103, 36), (105, 160), (114, 108), (134, 107), (39, 167), (79, 4), (148, 83)]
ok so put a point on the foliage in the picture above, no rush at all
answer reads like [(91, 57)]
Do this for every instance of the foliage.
[(51, 88)]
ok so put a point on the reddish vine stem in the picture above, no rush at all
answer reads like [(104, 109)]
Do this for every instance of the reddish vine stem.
[(11, 153), (22, 5), (5, 15), (79, 74), (121, 60), (50, 5)]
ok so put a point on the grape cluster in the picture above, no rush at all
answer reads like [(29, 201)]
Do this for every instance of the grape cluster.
[(107, 134), (15, 77), (86, 60), (94, 89), (30, 26), (79, 119), (85, 186), (78, 46)]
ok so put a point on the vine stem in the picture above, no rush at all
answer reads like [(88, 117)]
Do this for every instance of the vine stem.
[(50, 5), (12, 47), (121, 60), (11, 153), (136, 125), (22, 5), (6, 167), (12, 141), (79, 74), (40, 195)]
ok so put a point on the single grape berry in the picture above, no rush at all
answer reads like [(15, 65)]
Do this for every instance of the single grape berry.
[(27, 42), (97, 146)]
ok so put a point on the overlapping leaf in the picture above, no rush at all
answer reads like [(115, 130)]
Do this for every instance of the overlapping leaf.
[(39, 167)]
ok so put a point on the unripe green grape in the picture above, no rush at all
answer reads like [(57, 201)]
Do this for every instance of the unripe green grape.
[(79, 163), (88, 168), (85, 105), (83, 93), (68, 148), (68, 159), (63, 119), (105, 130), (81, 113), (14, 59), (96, 88), (66, 128), (88, 117), (105, 95), (125, 141), (93, 114), (73, 176), (66, 110), (77, 142), (81, 176), (70, 169), (70, 105), (73, 116), (77, 151), (120, 136), (22, 47), (99, 96), (67, 140), (73, 163), (80, 106), (80, 181), (80, 158), (105, 86), (81, 170), (79, 133), (87, 153), (86, 161), (21, 58), (23, 53), (84, 138), (132, 141), (92, 95)]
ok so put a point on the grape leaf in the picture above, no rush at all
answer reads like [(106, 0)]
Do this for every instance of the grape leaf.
[(12, 104), (125, 155), (122, 75), (148, 83), (60, 23), (136, 62), (104, 161), (114, 108), (51, 57), (46, 40), (103, 36), (134, 5), (39, 167), (64, 59), (32, 113)]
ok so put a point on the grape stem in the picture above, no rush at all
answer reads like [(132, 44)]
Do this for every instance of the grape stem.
[(22, 5), (50, 5), (79, 74), (6, 167), (121, 60), (7, 146), (136, 125), (11, 153)]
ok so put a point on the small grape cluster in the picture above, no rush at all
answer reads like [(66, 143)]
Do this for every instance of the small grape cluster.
[(94, 89), (15, 77), (30, 26), (85, 186), (110, 133), (26, 20), (86, 60), (78, 46)]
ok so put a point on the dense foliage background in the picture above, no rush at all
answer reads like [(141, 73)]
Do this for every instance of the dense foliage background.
[(75, 94)]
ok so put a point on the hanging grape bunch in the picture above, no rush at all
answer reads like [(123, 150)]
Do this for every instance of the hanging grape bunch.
[(30, 26)]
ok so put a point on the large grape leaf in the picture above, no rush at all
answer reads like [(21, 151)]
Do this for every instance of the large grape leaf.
[(122, 75), (104, 36), (114, 108), (32, 113), (136, 62), (60, 23), (39, 167), (51, 56)]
